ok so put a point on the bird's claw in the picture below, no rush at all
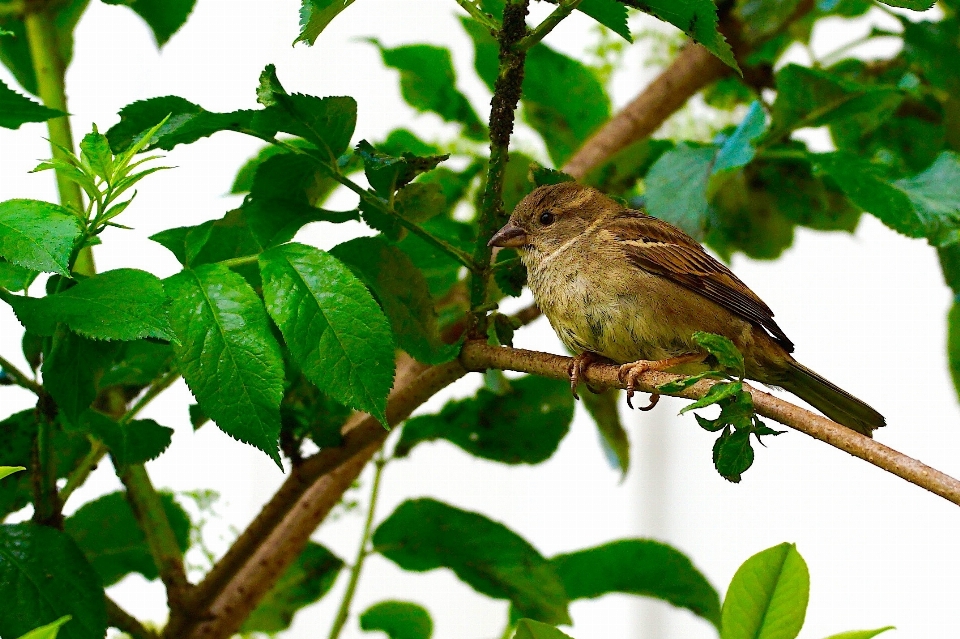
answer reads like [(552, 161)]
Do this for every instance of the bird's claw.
[(578, 368), (628, 375)]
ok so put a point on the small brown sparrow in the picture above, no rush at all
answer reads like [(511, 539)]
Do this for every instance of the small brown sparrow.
[(622, 285)]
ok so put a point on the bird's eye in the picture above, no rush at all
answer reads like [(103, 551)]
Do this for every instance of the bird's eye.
[(547, 218)]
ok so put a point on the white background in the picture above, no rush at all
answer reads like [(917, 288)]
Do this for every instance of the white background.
[(865, 310)]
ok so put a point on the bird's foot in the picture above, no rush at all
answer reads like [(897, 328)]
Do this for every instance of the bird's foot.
[(578, 367), (630, 373)]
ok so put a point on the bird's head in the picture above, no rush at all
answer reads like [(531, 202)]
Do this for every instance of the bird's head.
[(552, 215)]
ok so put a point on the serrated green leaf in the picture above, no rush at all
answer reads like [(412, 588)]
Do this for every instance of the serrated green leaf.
[(307, 579), (685, 383), (428, 84), (522, 426), (123, 304), (696, 18), (185, 242), (722, 349), (227, 353), (49, 631), (709, 425), (767, 598), (441, 270), (15, 278), (402, 292), (716, 393), (532, 629), (639, 567), (861, 634), (6, 471), (425, 534), (733, 454), (135, 443), (398, 619), (95, 149), (43, 577), (332, 325), (315, 15), (112, 541), (613, 436), (164, 17), (16, 109), (138, 364), (387, 174), (677, 188), (72, 371), (610, 14), (38, 235)]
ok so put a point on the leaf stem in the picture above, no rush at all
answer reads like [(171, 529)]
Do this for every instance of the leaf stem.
[(343, 613), (477, 13), (548, 25), (86, 466), (19, 378)]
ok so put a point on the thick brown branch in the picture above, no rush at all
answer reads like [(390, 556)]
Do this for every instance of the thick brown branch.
[(478, 356)]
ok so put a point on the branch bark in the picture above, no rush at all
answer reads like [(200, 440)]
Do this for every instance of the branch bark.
[(478, 356)]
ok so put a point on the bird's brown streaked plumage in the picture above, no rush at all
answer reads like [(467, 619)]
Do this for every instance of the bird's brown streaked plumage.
[(627, 286)]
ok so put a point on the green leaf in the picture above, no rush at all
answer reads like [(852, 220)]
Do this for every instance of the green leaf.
[(696, 18), (95, 149), (185, 242), (16, 109), (441, 270), (6, 471), (420, 202), (717, 393), (398, 619), (953, 344), (135, 443), (424, 534), (523, 426), (677, 188), (732, 454), (387, 174), (332, 325), (613, 436), (138, 364), (308, 579), (925, 205), (738, 149), (15, 50), (916, 5), (428, 83), (402, 292), (764, 18), (38, 235), (227, 353), (620, 173), (43, 577), (164, 17), (767, 598), (726, 353), (861, 634), (315, 15), (610, 14), (112, 541), (72, 371), (639, 567), (685, 383), (49, 631), (124, 304), (813, 97), (531, 629), (15, 278)]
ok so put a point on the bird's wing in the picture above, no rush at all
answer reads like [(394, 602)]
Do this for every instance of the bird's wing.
[(657, 247)]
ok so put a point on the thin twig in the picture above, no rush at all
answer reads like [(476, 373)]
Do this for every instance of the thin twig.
[(548, 25), (87, 465), (343, 613), (20, 378), (153, 391), (123, 621), (477, 13), (480, 356)]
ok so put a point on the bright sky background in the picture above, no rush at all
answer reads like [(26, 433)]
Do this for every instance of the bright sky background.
[(867, 311)]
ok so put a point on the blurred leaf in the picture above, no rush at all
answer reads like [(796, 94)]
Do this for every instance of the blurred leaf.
[(639, 567), (733, 454), (424, 534), (398, 619), (123, 304), (531, 629), (621, 172), (332, 325), (768, 596), (441, 270), (613, 436), (6, 471), (522, 426), (112, 541), (738, 149), (243, 181), (72, 371), (315, 15), (308, 579), (916, 5), (164, 17), (677, 188), (38, 235), (403, 140), (763, 18), (696, 18), (953, 344), (728, 93), (510, 274), (135, 443), (49, 631), (861, 634), (138, 364), (16, 109), (402, 292), (43, 577), (308, 413), (227, 353), (15, 49), (428, 83)]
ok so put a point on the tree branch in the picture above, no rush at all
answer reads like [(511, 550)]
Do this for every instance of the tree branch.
[(122, 620), (478, 356), (19, 378)]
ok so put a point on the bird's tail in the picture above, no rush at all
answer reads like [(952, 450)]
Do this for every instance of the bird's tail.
[(831, 400)]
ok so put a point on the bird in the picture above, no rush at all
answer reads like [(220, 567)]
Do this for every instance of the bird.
[(623, 286)]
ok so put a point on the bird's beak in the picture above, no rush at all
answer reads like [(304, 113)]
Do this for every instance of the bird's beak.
[(510, 236)]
